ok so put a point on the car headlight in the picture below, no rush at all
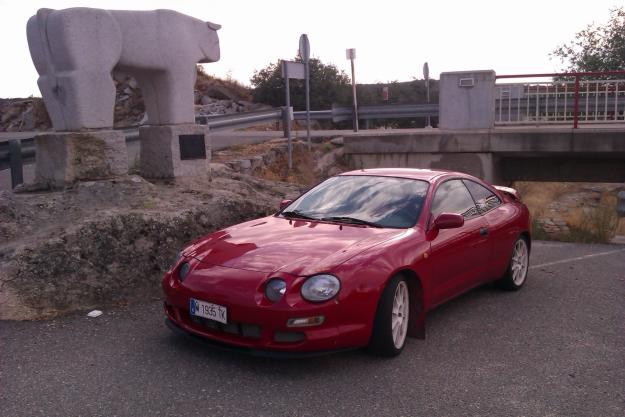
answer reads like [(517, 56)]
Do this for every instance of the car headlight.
[(275, 289), (320, 287), (183, 271)]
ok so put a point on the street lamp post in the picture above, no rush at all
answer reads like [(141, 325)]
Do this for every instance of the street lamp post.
[(351, 55), (426, 75)]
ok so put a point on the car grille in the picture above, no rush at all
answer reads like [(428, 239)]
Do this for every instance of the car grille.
[(251, 331)]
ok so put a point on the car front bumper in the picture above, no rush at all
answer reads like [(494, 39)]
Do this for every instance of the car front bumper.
[(257, 327)]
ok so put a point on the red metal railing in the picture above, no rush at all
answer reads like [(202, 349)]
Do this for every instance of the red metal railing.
[(536, 95)]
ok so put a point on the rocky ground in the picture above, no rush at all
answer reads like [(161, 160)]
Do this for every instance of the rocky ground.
[(581, 212), (104, 243)]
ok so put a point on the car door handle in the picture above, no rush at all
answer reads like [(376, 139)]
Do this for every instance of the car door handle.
[(483, 231)]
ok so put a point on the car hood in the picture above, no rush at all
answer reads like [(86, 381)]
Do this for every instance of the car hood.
[(297, 247)]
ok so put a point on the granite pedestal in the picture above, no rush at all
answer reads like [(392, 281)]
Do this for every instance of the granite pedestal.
[(66, 157), (172, 151)]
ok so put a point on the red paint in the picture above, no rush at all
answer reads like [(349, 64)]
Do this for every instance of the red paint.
[(230, 268)]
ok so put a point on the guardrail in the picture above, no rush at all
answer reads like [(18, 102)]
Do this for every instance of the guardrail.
[(14, 153), (569, 98)]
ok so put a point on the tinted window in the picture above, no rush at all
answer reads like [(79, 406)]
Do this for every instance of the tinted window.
[(484, 198), (452, 197), (386, 201)]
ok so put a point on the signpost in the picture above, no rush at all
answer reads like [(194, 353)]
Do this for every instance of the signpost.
[(426, 76), (351, 55), (304, 52)]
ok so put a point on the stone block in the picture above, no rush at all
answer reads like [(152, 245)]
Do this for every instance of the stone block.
[(174, 151), (467, 100), (63, 158)]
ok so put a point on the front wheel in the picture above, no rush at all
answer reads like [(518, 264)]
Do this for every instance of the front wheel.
[(390, 326), (516, 274)]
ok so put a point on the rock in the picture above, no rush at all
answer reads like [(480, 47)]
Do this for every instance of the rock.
[(337, 141)]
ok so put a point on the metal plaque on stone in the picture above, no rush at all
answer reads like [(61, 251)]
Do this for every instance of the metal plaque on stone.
[(192, 147)]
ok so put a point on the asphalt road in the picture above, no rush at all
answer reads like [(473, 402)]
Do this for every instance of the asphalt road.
[(556, 348)]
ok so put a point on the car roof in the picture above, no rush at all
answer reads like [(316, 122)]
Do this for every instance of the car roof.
[(413, 173)]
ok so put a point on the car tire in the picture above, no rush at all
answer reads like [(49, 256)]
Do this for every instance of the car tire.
[(390, 325), (518, 267)]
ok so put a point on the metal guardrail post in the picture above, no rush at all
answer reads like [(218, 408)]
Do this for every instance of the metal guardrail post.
[(15, 162)]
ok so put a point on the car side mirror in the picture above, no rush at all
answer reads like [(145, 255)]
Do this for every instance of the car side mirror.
[(284, 204), (448, 221)]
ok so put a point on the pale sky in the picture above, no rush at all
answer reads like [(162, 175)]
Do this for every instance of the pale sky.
[(392, 38)]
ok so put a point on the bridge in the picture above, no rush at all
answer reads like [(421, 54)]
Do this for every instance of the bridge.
[(501, 154), (571, 128)]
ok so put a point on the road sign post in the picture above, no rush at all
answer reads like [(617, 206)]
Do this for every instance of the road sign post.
[(304, 52), (287, 100), (351, 55), (295, 70)]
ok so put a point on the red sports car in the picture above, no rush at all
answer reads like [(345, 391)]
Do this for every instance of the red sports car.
[(356, 261)]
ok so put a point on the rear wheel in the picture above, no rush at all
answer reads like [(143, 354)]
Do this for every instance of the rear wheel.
[(516, 274), (390, 326)]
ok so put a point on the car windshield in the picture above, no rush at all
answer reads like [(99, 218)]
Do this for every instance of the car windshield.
[(363, 199)]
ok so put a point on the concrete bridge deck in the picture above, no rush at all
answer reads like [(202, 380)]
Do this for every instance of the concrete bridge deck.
[(502, 154)]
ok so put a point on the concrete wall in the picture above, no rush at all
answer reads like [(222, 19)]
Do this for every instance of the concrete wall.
[(498, 155), (467, 100)]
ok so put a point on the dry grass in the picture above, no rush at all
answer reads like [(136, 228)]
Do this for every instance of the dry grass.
[(586, 222), (303, 171), (538, 195)]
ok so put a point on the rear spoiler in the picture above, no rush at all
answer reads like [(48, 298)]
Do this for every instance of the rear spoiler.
[(509, 191)]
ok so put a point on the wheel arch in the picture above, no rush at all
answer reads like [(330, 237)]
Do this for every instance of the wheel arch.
[(417, 301), (526, 234)]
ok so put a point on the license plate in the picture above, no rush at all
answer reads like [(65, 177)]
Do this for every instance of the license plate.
[(208, 310)]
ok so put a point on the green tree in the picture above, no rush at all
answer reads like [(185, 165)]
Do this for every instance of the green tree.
[(328, 85), (598, 47)]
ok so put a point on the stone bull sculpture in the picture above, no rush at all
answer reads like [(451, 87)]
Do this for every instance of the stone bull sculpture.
[(76, 50)]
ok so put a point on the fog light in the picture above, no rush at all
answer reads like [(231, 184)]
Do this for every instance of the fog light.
[(305, 321), (275, 289)]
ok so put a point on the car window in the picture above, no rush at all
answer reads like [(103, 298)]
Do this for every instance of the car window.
[(453, 197), (385, 201), (484, 198)]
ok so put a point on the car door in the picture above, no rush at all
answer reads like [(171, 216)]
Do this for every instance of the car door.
[(501, 236), (457, 256)]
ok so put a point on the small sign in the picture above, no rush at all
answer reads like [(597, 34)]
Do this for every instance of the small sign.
[(296, 70), (426, 71), (384, 93), (304, 48), (192, 147), (466, 82), (350, 53)]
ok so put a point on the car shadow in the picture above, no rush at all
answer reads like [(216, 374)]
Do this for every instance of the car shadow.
[(338, 361)]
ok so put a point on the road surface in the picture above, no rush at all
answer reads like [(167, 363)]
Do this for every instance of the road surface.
[(556, 348)]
